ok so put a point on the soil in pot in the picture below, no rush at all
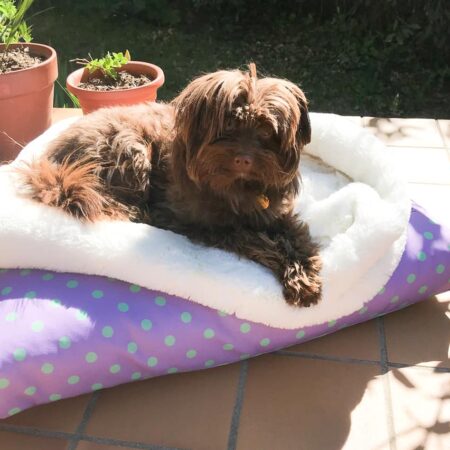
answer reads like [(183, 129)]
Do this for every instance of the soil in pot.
[(124, 80), (17, 59)]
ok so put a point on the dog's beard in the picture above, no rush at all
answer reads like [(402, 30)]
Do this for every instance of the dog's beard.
[(213, 172)]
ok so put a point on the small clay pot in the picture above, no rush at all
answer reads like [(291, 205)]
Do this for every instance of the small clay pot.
[(26, 101), (92, 100)]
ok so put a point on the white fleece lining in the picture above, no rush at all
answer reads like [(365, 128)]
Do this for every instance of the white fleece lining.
[(359, 218)]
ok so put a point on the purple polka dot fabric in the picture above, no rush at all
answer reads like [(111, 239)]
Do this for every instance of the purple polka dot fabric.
[(63, 334)]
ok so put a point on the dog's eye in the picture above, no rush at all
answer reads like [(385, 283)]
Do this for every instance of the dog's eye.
[(228, 126), (265, 132)]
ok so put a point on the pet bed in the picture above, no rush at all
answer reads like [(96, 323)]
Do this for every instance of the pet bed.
[(89, 306)]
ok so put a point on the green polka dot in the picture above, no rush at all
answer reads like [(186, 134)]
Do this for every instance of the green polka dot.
[(91, 357), (31, 294), (96, 386), (6, 290), (25, 272), (11, 317), (169, 340), (20, 354), (440, 268), (428, 235), (191, 354), (135, 288), (136, 375), (55, 397), (82, 315), (300, 334), (245, 327), (363, 310), (152, 361), (381, 291), (72, 284), (47, 368), (115, 368), (55, 303), (264, 342), (48, 277), (107, 331), (208, 333), (172, 370), (160, 301), (423, 289), (331, 323), (30, 390), (222, 313), (123, 307), (186, 317), (209, 363), (228, 346), (132, 347), (395, 299), (421, 256), (245, 356), (4, 383), (13, 411), (73, 379), (411, 278), (37, 326), (65, 342), (97, 293), (3, 270), (146, 324)]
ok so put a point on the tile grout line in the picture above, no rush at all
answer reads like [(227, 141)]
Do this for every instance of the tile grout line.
[(130, 444), (343, 359), (386, 385), (350, 360), (32, 431), (236, 416), (84, 421)]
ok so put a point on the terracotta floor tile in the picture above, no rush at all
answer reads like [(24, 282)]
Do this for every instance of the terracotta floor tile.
[(358, 341), (63, 415), (17, 441), (191, 410), (444, 127), (291, 403), (420, 334), (405, 132), (422, 165), (421, 408), (64, 113)]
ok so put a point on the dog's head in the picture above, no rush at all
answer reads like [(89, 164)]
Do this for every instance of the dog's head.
[(239, 134)]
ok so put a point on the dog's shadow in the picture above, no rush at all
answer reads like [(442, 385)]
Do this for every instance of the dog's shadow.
[(405, 399)]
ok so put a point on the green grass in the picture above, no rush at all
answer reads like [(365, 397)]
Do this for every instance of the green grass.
[(340, 72)]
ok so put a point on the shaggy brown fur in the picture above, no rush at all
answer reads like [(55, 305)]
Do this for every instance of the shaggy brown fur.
[(219, 165)]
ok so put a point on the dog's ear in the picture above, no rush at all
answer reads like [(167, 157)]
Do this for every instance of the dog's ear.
[(190, 116), (304, 125), (192, 126)]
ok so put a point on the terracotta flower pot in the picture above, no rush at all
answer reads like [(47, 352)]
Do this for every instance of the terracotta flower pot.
[(92, 100), (26, 101)]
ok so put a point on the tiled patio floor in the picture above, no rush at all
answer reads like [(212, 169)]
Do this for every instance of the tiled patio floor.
[(384, 384)]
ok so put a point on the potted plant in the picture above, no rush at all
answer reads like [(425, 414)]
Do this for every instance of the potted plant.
[(114, 80), (27, 74)]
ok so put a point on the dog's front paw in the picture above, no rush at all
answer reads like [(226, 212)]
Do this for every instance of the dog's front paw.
[(302, 286)]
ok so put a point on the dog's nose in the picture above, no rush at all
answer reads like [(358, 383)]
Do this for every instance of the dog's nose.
[(242, 163)]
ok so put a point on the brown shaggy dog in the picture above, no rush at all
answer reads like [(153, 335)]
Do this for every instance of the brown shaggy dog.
[(219, 165)]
